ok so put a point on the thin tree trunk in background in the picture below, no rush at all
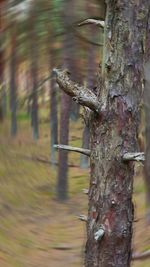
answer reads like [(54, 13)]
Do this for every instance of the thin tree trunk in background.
[(113, 132), (65, 107), (34, 72), (53, 98), (91, 82), (147, 121), (72, 55), (13, 89), (2, 84), (28, 88)]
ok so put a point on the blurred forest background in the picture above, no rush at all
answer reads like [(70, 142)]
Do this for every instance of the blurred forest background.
[(42, 190)]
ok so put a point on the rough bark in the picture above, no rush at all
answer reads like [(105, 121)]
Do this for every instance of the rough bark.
[(114, 133), (13, 89), (147, 119)]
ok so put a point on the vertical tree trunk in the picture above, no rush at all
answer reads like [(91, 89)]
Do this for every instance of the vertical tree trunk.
[(147, 120), (91, 82), (34, 73), (53, 96), (62, 183), (13, 96), (2, 85), (113, 132)]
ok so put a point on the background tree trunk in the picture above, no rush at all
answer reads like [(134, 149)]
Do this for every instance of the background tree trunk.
[(113, 132), (34, 73), (13, 63), (53, 96), (62, 183), (2, 51), (91, 83)]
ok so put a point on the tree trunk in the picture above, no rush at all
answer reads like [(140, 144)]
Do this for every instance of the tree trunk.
[(13, 96), (91, 83), (147, 120), (114, 123), (2, 50), (62, 183), (113, 132), (53, 95), (34, 73)]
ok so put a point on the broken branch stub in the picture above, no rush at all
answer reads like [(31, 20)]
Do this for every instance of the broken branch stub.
[(80, 94), (99, 23), (86, 152), (135, 156)]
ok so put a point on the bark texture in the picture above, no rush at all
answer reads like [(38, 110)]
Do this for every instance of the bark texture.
[(147, 119), (113, 133)]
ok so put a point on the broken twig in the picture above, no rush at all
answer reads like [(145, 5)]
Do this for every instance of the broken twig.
[(137, 156), (141, 256), (73, 149), (82, 218), (99, 23)]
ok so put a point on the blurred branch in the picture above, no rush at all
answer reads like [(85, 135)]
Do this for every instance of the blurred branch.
[(80, 94), (99, 23), (73, 149), (82, 218), (141, 256)]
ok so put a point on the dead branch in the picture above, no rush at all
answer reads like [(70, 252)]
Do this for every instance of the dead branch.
[(141, 256), (99, 23), (82, 218), (86, 152), (137, 156), (85, 191), (80, 94)]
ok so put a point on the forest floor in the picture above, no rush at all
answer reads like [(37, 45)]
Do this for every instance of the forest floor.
[(35, 229)]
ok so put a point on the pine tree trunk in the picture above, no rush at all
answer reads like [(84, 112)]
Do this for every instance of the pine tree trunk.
[(147, 120), (13, 96), (34, 73), (91, 82), (62, 183), (113, 132), (53, 96), (2, 50)]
